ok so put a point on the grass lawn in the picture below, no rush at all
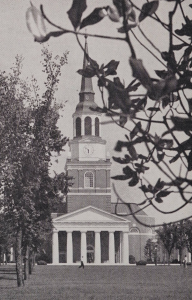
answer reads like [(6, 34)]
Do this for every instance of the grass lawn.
[(98, 283)]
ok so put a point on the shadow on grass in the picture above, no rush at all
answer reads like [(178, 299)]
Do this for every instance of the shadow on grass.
[(7, 278), (7, 273)]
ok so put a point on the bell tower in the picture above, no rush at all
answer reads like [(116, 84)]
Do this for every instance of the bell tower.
[(88, 163)]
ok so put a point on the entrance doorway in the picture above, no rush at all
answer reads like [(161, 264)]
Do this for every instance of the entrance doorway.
[(90, 254)]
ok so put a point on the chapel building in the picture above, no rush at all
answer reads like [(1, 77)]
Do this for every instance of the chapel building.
[(94, 229)]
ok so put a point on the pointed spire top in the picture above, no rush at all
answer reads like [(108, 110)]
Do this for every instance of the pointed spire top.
[(86, 83)]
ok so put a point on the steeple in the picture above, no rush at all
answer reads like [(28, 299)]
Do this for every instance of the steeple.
[(86, 93)]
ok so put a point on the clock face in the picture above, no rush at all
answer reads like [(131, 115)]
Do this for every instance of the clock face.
[(88, 149)]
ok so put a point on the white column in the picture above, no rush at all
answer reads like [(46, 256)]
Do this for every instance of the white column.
[(74, 127), (125, 248), (93, 125), (121, 247), (55, 247), (83, 246), (11, 254), (82, 125), (111, 248), (69, 247), (97, 247)]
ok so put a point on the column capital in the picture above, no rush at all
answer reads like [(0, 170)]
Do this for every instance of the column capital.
[(111, 231), (83, 231), (55, 230), (97, 231), (69, 231)]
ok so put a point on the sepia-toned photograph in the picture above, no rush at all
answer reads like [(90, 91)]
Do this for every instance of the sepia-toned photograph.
[(95, 149)]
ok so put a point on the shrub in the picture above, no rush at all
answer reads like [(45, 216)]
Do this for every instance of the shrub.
[(43, 256), (175, 261), (41, 262), (149, 261), (141, 263), (131, 259)]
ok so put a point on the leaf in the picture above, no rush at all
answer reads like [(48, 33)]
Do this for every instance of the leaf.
[(131, 16), (165, 144), (186, 28), (159, 185), (161, 73), (135, 130), (182, 124), (76, 11), (165, 101), (133, 88), (175, 158), (132, 152), (141, 156), (134, 181), (113, 14), (159, 200), (96, 16), (120, 145), (179, 46), (189, 160), (163, 87), (36, 23), (148, 9), (122, 120), (87, 72), (143, 202), (163, 194), (119, 6), (126, 28), (141, 168), (128, 172), (140, 73), (120, 177), (153, 109), (120, 160), (111, 67), (160, 156), (189, 100), (145, 189)]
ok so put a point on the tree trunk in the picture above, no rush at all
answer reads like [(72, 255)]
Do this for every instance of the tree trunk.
[(180, 255), (18, 258), (26, 264), (169, 255), (30, 262)]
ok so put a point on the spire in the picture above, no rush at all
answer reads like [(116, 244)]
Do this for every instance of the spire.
[(86, 92)]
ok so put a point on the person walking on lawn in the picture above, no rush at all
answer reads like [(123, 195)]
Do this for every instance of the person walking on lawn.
[(82, 263)]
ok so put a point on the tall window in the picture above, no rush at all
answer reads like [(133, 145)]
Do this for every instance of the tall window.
[(78, 126), (88, 126), (88, 180), (97, 126)]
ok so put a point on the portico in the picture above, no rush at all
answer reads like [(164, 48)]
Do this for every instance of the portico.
[(91, 235)]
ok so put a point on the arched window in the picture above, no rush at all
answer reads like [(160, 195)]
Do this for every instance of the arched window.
[(78, 126), (96, 126), (88, 126), (134, 230), (88, 180)]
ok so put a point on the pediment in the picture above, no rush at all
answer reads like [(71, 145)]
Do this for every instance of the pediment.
[(90, 214)]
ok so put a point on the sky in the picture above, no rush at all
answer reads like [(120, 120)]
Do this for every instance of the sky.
[(16, 39)]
